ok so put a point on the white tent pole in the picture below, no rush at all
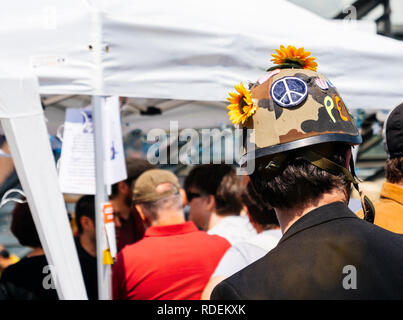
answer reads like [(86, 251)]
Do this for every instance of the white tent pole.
[(104, 271), (30, 148)]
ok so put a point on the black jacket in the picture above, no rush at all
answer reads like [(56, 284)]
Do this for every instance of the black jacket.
[(88, 266), (318, 258), (26, 279)]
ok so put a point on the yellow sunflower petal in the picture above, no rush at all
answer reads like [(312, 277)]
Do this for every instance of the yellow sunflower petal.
[(305, 54), (300, 52), (241, 106), (291, 53), (240, 88)]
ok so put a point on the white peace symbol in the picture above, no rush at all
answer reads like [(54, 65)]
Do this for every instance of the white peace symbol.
[(288, 92)]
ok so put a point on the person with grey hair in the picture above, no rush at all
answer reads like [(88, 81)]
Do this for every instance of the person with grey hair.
[(174, 260)]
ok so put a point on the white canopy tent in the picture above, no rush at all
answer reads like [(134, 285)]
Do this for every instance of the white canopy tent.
[(198, 51), (160, 49)]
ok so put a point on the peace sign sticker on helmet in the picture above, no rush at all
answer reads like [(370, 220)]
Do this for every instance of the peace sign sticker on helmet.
[(289, 91)]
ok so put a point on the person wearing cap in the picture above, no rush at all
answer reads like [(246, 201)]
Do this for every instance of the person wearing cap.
[(389, 208), (128, 224), (174, 260), (301, 135)]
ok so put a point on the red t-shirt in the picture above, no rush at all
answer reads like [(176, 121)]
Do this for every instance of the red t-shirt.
[(171, 262)]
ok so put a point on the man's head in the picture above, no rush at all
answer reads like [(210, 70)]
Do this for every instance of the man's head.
[(260, 212), (393, 142), (4, 252), (122, 191), (157, 196), (85, 216), (301, 130), (299, 183), (6, 259), (23, 226), (213, 188)]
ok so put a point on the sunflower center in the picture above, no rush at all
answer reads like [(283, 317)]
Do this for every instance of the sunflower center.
[(242, 103), (294, 60)]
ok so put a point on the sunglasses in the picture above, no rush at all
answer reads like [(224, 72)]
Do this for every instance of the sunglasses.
[(192, 195)]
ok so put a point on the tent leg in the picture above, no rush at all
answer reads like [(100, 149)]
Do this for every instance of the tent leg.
[(30, 148), (104, 271)]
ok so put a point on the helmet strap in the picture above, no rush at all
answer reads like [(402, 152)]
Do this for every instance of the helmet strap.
[(333, 168), (276, 164), (366, 204)]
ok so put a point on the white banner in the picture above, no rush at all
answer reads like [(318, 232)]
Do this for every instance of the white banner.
[(77, 160)]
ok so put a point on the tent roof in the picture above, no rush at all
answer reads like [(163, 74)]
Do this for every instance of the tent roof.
[(174, 50)]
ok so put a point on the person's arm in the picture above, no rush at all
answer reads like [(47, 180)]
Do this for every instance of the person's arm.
[(214, 280), (230, 263)]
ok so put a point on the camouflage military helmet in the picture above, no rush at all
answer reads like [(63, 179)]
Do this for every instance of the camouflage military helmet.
[(291, 107)]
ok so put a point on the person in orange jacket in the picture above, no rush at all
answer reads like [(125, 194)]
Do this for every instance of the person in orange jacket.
[(389, 208)]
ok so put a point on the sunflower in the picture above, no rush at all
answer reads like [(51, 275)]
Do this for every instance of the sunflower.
[(242, 106), (291, 57)]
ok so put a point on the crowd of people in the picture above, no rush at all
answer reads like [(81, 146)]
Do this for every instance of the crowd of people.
[(162, 255), (283, 232)]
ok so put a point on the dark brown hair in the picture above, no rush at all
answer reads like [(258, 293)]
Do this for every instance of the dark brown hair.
[(394, 170), (259, 211), (135, 167), (301, 183), (221, 181), (85, 206), (23, 226)]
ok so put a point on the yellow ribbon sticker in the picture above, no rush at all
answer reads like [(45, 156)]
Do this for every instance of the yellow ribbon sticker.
[(107, 257)]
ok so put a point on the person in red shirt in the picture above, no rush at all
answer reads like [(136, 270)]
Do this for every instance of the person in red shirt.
[(174, 260), (128, 224)]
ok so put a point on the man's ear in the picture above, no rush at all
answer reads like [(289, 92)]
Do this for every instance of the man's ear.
[(86, 222), (184, 198), (348, 157), (143, 217), (141, 212), (210, 203), (123, 187)]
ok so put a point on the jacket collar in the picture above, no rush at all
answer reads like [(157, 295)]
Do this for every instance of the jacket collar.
[(392, 191), (328, 212), (171, 230)]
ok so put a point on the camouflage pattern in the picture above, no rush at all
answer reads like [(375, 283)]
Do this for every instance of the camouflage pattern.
[(321, 113)]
